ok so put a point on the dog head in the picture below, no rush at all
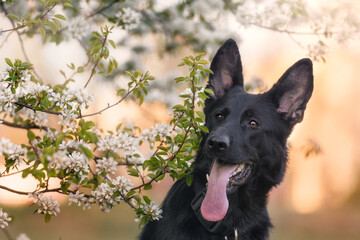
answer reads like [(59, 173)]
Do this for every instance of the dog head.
[(246, 144)]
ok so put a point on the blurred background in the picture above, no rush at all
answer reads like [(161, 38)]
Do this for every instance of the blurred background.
[(320, 196)]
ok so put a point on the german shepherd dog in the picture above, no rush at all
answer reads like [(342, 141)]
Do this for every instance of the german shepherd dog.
[(241, 159)]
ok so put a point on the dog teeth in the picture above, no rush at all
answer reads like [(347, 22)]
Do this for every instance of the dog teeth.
[(239, 169), (207, 177)]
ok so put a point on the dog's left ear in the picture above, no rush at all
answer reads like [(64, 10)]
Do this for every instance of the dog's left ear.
[(227, 69), (293, 90)]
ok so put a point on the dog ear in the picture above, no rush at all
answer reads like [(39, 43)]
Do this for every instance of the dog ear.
[(227, 69), (293, 90)]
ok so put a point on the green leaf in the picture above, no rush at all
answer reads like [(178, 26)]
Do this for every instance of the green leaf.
[(68, 5), (148, 187), (42, 32), (147, 199), (87, 152), (8, 61), (57, 22), (202, 61), (204, 129), (80, 69), (13, 16), (31, 135), (189, 179), (120, 91), (47, 218), (112, 43), (59, 139), (133, 171), (209, 91), (201, 115), (60, 17)]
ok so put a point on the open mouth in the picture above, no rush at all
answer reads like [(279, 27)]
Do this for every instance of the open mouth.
[(239, 176), (224, 179)]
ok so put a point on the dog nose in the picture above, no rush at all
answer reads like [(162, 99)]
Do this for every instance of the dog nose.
[(219, 143)]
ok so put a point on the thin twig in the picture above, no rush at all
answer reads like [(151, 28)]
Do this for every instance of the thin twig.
[(7, 234), (32, 108), (13, 173), (19, 36), (27, 193), (97, 61), (100, 10), (114, 104)]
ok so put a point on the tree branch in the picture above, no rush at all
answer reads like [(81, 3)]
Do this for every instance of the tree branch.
[(32, 108), (14, 125), (100, 10)]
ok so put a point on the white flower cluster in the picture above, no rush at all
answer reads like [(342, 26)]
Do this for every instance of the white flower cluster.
[(51, 134), (108, 165), (14, 151), (76, 162), (77, 28), (46, 205), (4, 219), (73, 144), (129, 17), (104, 193), (122, 184), (152, 210), (159, 130), (188, 92), (40, 118), (7, 98), (70, 100), (80, 199), (122, 142)]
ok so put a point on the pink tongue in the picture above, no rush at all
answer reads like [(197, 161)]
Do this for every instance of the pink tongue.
[(215, 204)]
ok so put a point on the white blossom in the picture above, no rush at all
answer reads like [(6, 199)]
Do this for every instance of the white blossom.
[(76, 161), (137, 158), (109, 165), (46, 205), (122, 184), (59, 160), (77, 28), (79, 162), (122, 142), (23, 236), (50, 134), (40, 118), (14, 151), (38, 89), (68, 120), (7, 98), (76, 97), (159, 130), (73, 144), (80, 199), (129, 17), (4, 219), (103, 197), (152, 210)]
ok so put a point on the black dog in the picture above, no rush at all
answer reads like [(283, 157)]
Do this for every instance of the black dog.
[(242, 158)]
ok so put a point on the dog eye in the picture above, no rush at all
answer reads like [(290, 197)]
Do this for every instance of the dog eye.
[(219, 117), (253, 123)]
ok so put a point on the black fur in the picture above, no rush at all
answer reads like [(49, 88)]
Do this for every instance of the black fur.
[(246, 128)]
